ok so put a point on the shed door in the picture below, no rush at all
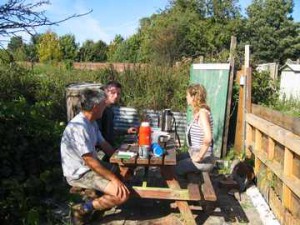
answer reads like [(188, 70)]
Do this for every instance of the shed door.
[(215, 78)]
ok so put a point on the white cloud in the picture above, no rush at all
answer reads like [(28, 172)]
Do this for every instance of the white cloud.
[(84, 28)]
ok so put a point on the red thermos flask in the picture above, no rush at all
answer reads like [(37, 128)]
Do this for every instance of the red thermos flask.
[(145, 134)]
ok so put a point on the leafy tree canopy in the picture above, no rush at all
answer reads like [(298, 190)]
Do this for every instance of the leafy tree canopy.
[(49, 49), (271, 31)]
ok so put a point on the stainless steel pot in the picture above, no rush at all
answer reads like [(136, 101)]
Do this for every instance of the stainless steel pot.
[(166, 120)]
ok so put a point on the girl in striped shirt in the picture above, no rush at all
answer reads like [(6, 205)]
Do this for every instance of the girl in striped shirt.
[(199, 134)]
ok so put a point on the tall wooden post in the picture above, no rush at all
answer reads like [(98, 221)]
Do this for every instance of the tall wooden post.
[(246, 97), (229, 95)]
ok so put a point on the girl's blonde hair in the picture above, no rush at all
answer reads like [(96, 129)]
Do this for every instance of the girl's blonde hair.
[(198, 92)]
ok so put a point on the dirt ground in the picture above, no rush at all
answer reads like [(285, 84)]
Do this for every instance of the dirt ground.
[(228, 209)]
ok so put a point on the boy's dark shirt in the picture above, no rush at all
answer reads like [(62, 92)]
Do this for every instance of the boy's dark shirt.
[(106, 125)]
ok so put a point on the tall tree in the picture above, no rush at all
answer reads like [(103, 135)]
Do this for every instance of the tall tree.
[(189, 28), (68, 46), (272, 33), (16, 48), (31, 48), (93, 52), (113, 46), (128, 50), (49, 49)]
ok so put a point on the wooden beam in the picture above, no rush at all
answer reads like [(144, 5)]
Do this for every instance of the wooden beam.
[(283, 136), (163, 193), (287, 171), (291, 181), (278, 118), (207, 188), (271, 148), (229, 94), (238, 139), (258, 140), (248, 140), (183, 206)]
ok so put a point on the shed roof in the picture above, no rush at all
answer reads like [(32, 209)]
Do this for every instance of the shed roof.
[(293, 67)]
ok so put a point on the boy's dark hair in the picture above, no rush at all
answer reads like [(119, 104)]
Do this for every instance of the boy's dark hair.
[(112, 83)]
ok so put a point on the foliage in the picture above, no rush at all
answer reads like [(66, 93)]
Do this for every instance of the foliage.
[(271, 31), (187, 29), (68, 46), (16, 47), (113, 46), (31, 49), (190, 29), (49, 49), (265, 90), (93, 52), (126, 51), (290, 107)]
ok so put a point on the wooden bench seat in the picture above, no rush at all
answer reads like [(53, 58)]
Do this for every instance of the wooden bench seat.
[(199, 184)]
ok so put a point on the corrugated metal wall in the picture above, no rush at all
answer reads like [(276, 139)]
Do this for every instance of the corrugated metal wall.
[(126, 117)]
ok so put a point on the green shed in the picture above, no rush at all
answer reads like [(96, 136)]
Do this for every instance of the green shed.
[(214, 77)]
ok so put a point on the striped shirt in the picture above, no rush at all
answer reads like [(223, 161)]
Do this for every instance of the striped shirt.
[(195, 136)]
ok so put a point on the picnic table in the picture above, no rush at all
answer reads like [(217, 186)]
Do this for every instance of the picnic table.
[(193, 192)]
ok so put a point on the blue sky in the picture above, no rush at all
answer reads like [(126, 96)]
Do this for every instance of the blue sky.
[(109, 17)]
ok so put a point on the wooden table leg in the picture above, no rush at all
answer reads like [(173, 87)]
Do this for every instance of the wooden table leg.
[(125, 173), (168, 173)]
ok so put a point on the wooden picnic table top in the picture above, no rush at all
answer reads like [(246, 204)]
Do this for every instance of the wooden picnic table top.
[(168, 159)]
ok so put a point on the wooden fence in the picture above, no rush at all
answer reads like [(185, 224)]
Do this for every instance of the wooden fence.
[(120, 67), (273, 139)]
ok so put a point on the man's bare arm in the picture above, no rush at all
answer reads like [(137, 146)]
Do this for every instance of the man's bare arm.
[(94, 164)]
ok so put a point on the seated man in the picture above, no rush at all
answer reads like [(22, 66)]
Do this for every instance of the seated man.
[(80, 164)]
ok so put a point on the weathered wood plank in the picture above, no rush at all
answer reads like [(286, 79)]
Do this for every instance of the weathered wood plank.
[(194, 185), (170, 157), (169, 175), (162, 193), (291, 181), (229, 94), (279, 134), (207, 188), (271, 148), (238, 140), (287, 122), (287, 171)]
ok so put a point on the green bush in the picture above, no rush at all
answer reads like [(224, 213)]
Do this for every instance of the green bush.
[(265, 90)]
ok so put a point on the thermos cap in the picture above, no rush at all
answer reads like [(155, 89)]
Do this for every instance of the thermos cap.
[(145, 124)]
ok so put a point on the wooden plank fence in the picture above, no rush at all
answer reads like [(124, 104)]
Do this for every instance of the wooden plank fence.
[(275, 144)]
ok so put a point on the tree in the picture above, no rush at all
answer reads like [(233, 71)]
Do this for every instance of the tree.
[(31, 48), (272, 33), (49, 49), (190, 28), (128, 50), (68, 46), (93, 52), (112, 47), (15, 43), (16, 16), (16, 48)]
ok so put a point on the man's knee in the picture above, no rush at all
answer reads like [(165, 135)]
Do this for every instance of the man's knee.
[(120, 201)]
